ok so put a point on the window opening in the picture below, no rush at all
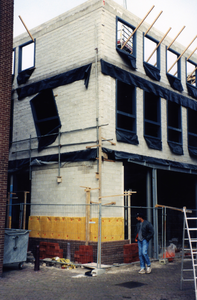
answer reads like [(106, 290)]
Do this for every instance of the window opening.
[(152, 119), (191, 72), (26, 56), (192, 128), (174, 122), (46, 118), (124, 30), (13, 61), (171, 58), (126, 107), (149, 47)]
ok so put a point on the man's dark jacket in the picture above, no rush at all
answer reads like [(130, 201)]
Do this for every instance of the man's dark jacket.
[(147, 230)]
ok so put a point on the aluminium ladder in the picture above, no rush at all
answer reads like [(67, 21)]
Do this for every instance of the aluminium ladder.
[(192, 241)]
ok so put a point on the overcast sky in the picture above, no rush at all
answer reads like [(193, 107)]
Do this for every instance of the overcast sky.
[(176, 14)]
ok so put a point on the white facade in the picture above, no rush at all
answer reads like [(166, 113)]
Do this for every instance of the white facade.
[(76, 38)]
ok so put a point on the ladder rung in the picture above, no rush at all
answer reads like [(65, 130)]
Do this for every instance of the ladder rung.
[(191, 218), (192, 229), (194, 240), (186, 270)]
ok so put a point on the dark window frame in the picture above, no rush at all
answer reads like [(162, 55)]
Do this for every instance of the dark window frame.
[(20, 58), (157, 51), (192, 134), (178, 63), (173, 130), (13, 61), (195, 65), (153, 123), (132, 116), (118, 19), (46, 119)]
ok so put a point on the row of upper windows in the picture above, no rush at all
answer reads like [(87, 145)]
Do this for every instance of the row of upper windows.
[(126, 119), (151, 49)]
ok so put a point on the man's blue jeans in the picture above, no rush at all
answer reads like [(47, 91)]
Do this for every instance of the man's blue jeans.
[(143, 253)]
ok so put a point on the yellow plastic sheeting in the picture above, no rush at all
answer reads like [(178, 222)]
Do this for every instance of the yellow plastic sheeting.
[(74, 228)]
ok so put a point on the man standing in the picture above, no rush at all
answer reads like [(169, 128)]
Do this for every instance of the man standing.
[(145, 232)]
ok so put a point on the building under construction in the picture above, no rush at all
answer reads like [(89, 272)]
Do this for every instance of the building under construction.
[(102, 103)]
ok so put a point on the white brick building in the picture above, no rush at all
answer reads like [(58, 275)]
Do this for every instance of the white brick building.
[(154, 131)]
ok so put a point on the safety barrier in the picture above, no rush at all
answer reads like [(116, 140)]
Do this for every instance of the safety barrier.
[(108, 230)]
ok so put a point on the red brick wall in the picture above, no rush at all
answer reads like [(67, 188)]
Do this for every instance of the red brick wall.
[(6, 40), (111, 252)]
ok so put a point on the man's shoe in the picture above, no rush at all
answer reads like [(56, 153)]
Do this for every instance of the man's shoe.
[(142, 271), (148, 270)]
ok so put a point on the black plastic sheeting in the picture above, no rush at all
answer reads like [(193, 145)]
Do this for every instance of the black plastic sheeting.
[(46, 118), (75, 156), (153, 143), (192, 90), (175, 148), (175, 82), (152, 72), (126, 137), (55, 81), (127, 57), (23, 76), (125, 156), (192, 151), (91, 155), (129, 78)]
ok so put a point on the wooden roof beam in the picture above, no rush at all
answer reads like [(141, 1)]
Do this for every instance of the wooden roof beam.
[(182, 54), (138, 26), (158, 44), (153, 23), (175, 37), (26, 28)]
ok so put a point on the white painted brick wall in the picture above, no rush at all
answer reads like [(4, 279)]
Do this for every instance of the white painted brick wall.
[(46, 191), (64, 44)]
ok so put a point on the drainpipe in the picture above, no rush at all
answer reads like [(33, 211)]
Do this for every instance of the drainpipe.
[(96, 92), (148, 204), (10, 202), (155, 212)]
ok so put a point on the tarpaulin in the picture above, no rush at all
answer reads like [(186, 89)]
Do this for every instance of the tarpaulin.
[(75, 156), (132, 157), (91, 155), (23, 76), (55, 81), (175, 148), (46, 118), (152, 72), (175, 82), (148, 86), (153, 143), (127, 57), (126, 137), (192, 90)]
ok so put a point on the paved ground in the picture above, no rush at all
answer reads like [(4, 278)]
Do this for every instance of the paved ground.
[(116, 283)]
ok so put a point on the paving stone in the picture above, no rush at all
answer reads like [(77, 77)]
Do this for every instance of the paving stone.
[(122, 282)]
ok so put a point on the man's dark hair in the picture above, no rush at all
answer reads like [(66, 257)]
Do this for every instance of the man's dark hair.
[(141, 215)]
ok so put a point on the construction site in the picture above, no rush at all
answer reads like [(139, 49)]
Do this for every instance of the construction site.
[(103, 125)]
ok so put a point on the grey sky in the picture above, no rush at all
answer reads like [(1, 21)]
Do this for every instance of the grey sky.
[(176, 14)]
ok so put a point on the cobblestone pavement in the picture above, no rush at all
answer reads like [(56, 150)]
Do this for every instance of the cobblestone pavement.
[(121, 282)]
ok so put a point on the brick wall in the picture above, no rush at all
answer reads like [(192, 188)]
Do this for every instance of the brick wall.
[(111, 252), (6, 37)]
